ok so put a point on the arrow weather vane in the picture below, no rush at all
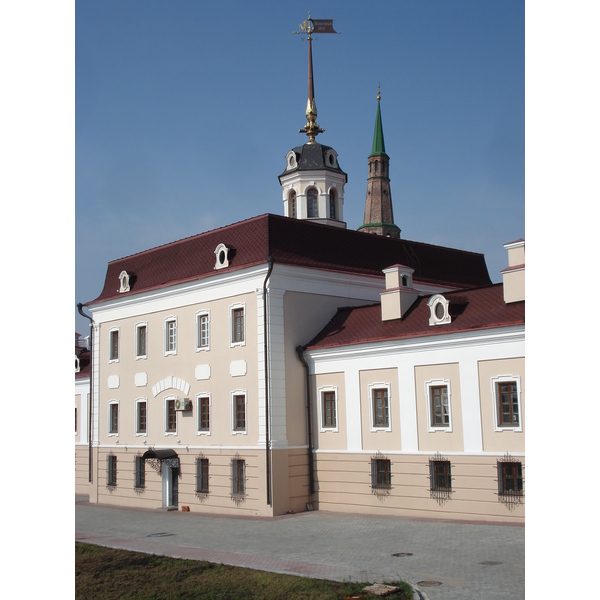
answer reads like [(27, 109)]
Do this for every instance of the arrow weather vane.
[(310, 26)]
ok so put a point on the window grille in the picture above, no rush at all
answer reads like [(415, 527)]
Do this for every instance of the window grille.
[(510, 480), (440, 477), (381, 474), (202, 476), (140, 472), (111, 477), (238, 469)]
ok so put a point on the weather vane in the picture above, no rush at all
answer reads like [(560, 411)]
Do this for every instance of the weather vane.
[(310, 26)]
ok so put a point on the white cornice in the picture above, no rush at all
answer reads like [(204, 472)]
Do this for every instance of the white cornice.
[(449, 341)]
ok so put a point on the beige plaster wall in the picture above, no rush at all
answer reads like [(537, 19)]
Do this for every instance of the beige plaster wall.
[(183, 365), (505, 440), (344, 485), (442, 439), (380, 439), (328, 439), (219, 500)]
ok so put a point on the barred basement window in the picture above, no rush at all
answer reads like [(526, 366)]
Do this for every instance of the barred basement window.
[(202, 476), (440, 476), (140, 472), (381, 474), (238, 472), (510, 479), (111, 476)]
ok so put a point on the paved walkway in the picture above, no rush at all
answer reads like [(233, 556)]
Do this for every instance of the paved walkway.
[(470, 561)]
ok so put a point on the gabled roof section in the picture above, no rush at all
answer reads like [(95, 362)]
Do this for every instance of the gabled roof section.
[(474, 309), (293, 242)]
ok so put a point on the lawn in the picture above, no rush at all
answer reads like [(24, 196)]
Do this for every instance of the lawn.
[(106, 573)]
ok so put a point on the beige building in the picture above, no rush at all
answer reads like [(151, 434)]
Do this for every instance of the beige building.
[(227, 379)]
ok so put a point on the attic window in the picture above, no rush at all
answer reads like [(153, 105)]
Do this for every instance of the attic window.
[(330, 158), (440, 314), (222, 256), (292, 163), (124, 280), (77, 365)]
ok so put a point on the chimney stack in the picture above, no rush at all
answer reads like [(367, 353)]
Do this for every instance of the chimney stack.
[(513, 277), (399, 295)]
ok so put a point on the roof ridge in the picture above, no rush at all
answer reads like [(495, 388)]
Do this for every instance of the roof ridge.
[(188, 238)]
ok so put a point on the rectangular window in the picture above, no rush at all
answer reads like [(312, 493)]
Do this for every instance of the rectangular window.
[(381, 413), (171, 424), (510, 478), (140, 418), (237, 325), (113, 418), (329, 412), (508, 404), (381, 473), (238, 468), (440, 411), (202, 333), (440, 475), (140, 341), (111, 477), (202, 476), (140, 472), (114, 345), (204, 414), (239, 404), (170, 336)]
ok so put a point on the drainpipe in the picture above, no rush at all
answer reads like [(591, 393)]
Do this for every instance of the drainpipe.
[(80, 309), (268, 441), (311, 480)]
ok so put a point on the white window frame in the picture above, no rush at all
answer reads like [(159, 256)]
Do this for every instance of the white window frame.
[(166, 416), (137, 327), (138, 401), (504, 379), (428, 386), (111, 331), (198, 316), (235, 431), (433, 303), (372, 388), (199, 414), (321, 391), (112, 403), (233, 307), (166, 341)]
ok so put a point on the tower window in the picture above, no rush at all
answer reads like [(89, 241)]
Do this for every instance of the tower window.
[(292, 205), (332, 204), (313, 203)]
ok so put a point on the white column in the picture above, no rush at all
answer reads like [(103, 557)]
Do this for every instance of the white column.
[(353, 414)]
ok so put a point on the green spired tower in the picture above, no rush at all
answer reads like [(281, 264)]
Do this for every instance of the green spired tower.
[(379, 215)]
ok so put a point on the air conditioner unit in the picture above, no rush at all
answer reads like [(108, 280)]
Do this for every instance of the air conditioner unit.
[(183, 404)]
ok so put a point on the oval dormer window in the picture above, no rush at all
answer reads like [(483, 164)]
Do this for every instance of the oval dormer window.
[(440, 314), (124, 281), (222, 256)]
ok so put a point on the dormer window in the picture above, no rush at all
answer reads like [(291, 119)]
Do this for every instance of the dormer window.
[(77, 368), (291, 159), (222, 256), (330, 158), (440, 314), (124, 281)]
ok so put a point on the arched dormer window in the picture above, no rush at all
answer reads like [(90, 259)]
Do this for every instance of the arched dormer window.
[(124, 281), (77, 364), (292, 205), (333, 204), (312, 198)]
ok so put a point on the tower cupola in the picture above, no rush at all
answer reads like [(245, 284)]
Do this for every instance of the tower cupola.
[(313, 181)]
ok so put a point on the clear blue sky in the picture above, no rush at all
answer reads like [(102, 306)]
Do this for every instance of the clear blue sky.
[(185, 111)]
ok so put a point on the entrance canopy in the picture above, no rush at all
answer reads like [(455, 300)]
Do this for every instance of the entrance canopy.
[(160, 454)]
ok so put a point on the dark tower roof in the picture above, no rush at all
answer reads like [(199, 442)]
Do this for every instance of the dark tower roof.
[(314, 157)]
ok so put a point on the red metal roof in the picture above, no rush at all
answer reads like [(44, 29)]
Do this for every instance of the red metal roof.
[(474, 309), (293, 242)]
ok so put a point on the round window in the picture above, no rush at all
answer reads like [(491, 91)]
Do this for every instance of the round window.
[(440, 310), (222, 257)]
